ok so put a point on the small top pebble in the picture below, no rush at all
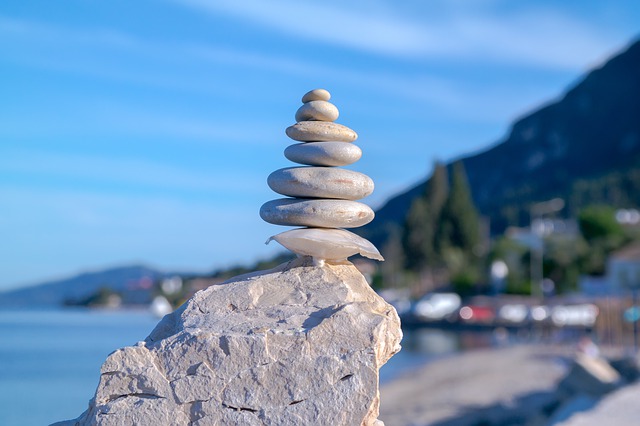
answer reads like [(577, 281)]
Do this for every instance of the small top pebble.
[(316, 95)]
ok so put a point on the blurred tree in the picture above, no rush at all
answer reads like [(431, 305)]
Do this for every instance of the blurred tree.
[(421, 223), (603, 234), (458, 234), (516, 257), (416, 241), (459, 221), (597, 222), (562, 261), (104, 296)]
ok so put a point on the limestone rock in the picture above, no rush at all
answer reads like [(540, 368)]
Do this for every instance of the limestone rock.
[(320, 182), (316, 213), (316, 131), (317, 111), (295, 345), (323, 153), (326, 244), (316, 95), (590, 375), (628, 368)]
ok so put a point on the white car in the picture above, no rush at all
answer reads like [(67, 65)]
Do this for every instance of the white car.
[(437, 306)]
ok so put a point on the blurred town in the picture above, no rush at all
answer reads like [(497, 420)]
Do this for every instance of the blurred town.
[(558, 276)]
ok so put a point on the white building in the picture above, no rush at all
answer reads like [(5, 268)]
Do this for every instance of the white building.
[(622, 274)]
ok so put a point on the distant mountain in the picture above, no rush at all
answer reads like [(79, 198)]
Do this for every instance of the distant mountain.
[(133, 279), (584, 148)]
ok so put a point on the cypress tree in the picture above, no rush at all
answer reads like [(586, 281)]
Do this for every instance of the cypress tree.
[(415, 238), (422, 221), (459, 222)]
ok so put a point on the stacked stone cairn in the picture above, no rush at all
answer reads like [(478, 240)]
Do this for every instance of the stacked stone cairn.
[(295, 345), (321, 195)]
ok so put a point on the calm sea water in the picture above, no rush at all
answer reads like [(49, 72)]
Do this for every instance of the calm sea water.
[(50, 360)]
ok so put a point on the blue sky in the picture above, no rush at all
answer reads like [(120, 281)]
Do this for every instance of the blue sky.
[(143, 132)]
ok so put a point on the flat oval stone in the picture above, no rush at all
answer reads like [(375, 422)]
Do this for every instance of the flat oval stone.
[(316, 95), (326, 244), (320, 182), (317, 131), (316, 213), (317, 111), (323, 153)]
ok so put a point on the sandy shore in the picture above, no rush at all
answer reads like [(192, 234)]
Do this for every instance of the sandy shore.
[(493, 386)]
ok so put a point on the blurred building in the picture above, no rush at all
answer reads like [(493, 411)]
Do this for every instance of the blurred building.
[(622, 274), (530, 237), (623, 267)]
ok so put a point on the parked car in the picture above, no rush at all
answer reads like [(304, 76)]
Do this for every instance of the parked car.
[(516, 313), (584, 315), (437, 306), (477, 314)]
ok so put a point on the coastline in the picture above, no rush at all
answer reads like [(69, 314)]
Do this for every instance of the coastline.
[(482, 386)]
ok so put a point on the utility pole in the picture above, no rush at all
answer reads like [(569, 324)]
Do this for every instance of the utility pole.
[(538, 232)]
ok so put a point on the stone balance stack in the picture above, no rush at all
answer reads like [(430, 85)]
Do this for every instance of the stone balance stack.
[(322, 195), (301, 344)]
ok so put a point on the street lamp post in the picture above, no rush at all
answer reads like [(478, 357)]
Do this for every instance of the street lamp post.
[(538, 231)]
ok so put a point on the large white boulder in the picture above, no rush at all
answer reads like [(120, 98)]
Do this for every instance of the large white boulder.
[(295, 345)]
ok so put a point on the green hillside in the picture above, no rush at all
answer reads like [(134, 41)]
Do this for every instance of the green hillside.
[(584, 148)]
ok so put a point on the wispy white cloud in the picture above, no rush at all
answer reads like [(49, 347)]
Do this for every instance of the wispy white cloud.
[(155, 121), (328, 22), (83, 208), (33, 29), (100, 39), (133, 173), (122, 41), (538, 37), (423, 87), (531, 36), (93, 117), (534, 36)]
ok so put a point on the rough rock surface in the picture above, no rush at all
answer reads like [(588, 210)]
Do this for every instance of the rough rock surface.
[(591, 375), (295, 345)]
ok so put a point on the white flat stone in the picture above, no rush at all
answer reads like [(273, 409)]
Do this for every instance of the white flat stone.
[(326, 244), (323, 153), (316, 95), (317, 111), (320, 182), (316, 131), (316, 213)]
